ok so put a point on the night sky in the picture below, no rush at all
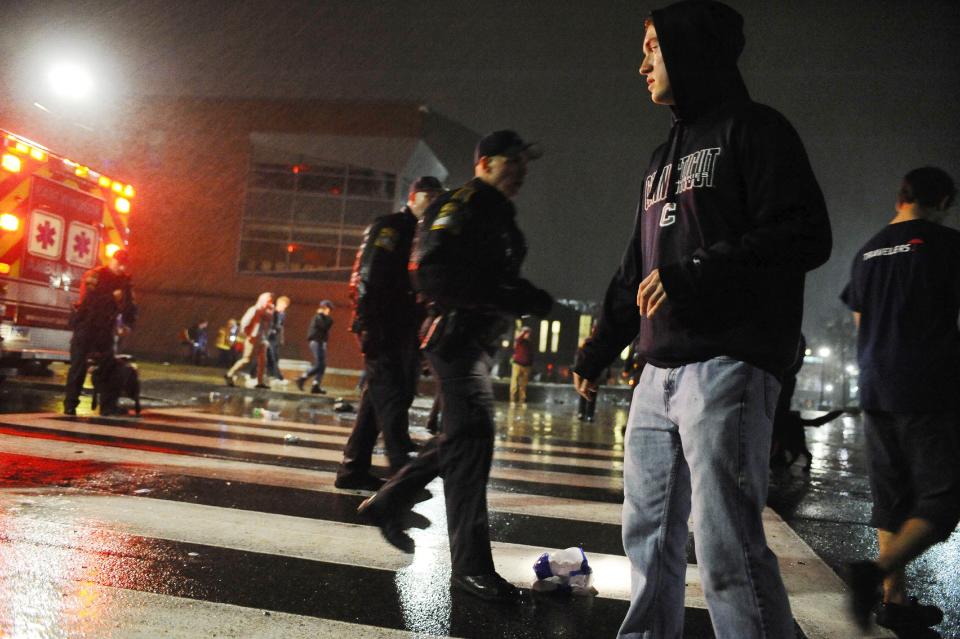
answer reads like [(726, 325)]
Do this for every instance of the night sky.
[(872, 87)]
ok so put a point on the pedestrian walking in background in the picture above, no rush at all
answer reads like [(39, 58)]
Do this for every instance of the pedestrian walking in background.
[(731, 219), (466, 266), (317, 337), (587, 405), (904, 292), (255, 325), (386, 317), (106, 295), (520, 365), (275, 337)]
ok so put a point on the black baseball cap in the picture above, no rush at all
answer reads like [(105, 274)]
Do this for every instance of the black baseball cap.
[(426, 183), (505, 142)]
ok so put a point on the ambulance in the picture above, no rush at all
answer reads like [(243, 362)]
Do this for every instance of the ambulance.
[(58, 218)]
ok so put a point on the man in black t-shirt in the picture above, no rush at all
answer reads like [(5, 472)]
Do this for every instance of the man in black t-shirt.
[(904, 292)]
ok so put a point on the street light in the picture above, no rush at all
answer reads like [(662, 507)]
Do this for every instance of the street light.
[(824, 351), (71, 81)]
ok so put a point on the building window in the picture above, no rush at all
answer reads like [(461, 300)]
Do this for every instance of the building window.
[(306, 216), (544, 335), (555, 336), (586, 324)]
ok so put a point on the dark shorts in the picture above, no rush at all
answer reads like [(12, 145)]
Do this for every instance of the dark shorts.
[(914, 468)]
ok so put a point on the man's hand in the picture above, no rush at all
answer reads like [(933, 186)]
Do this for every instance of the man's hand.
[(584, 387), (651, 294)]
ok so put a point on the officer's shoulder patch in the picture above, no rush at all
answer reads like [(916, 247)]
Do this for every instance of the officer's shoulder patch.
[(386, 239), (463, 194), (448, 217), (451, 214)]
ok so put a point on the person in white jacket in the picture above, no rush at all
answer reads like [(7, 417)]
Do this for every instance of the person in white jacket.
[(255, 326)]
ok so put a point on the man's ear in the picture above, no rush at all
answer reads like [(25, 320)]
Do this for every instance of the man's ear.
[(944, 203)]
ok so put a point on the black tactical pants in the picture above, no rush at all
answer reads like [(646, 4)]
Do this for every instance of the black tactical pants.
[(384, 407), (461, 454), (83, 345)]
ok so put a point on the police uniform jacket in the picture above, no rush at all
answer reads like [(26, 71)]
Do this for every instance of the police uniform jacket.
[(467, 261), (385, 307), (104, 295)]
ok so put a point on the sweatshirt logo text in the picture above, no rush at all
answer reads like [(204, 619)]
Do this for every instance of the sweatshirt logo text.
[(695, 171)]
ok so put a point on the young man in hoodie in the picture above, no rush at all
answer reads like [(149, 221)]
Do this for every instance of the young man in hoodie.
[(730, 221)]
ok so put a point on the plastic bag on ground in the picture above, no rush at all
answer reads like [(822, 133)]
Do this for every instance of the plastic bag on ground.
[(564, 571)]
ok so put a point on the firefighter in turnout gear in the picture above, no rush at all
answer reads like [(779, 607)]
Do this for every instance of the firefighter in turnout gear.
[(106, 294), (386, 318)]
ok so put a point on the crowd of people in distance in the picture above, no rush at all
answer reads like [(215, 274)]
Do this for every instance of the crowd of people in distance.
[(251, 345)]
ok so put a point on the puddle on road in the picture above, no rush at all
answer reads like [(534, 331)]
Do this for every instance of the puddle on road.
[(17, 399)]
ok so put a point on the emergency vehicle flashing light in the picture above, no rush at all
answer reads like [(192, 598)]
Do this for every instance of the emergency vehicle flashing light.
[(11, 163), (58, 219), (9, 222)]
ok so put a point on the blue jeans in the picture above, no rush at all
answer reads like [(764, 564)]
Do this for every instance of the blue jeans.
[(698, 440), (319, 350)]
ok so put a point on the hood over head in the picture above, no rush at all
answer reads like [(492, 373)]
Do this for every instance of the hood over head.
[(701, 41)]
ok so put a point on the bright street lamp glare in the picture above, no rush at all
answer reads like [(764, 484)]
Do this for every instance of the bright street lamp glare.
[(823, 352), (70, 80)]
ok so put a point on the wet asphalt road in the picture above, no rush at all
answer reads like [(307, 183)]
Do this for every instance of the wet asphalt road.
[(827, 507)]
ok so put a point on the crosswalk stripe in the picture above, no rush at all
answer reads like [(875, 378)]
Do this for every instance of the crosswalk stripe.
[(288, 451), (98, 610), (334, 424), (543, 456), (288, 477), (312, 539)]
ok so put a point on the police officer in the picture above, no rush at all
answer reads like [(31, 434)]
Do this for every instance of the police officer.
[(466, 265), (105, 294), (386, 318)]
